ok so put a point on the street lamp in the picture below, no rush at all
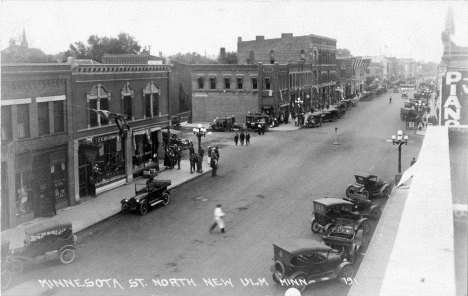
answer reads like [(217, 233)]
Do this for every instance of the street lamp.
[(200, 132), (399, 140), (299, 103)]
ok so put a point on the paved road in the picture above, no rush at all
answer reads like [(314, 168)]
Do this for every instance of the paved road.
[(266, 190)]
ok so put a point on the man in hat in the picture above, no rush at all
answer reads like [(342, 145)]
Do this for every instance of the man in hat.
[(247, 138), (219, 219), (236, 138)]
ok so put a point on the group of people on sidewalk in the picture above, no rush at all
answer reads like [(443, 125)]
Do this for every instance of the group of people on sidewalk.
[(172, 157), (243, 136)]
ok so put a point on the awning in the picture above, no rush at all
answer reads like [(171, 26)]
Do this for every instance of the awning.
[(140, 132)]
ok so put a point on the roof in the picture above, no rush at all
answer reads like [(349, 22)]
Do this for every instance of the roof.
[(330, 201), (299, 246), (47, 226)]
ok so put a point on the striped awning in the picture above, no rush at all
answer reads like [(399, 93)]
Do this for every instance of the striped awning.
[(361, 63)]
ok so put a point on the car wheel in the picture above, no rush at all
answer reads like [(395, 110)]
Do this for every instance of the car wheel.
[(315, 227), (279, 270), (227, 129), (302, 282), (387, 191), (275, 279), (365, 193), (165, 199), (366, 226), (16, 266), (125, 207), (376, 213), (346, 272), (67, 255), (350, 191), (6, 279), (402, 117), (144, 208)]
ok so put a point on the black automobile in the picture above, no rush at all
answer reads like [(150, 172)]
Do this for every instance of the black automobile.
[(147, 195), (176, 139), (344, 239), (302, 262)]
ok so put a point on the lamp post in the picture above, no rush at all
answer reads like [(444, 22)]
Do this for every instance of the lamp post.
[(200, 132), (399, 140), (299, 103)]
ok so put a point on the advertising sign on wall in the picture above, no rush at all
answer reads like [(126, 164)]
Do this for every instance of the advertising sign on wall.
[(454, 98)]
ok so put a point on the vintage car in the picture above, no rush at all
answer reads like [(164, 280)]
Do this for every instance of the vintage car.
[(45, 241), (303, 262), (254, 121), (147, 195), (5, 264), (327, 210), (175, 120), (344, 239), (409, 113), (350, 103), (313, 119), (404, 95), (369, 186), (332, 114), (364, 206), (175, 139), (225, 124)]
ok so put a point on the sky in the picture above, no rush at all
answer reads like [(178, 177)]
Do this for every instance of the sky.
[(403, 29)]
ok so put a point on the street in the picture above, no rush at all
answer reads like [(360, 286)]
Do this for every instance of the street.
[(265, 189)]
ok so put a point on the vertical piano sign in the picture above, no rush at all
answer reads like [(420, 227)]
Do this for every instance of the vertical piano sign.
[(454, 98)]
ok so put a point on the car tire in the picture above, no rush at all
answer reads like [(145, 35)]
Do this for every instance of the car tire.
[(366, 226), (346, 272), (376, 213), (300, 278), (67, 255), (125, 207), (16, 266), (387, 191), (279, 270), (143, 208), (275, 279), (165, 200), (350, 191), (227, 129), (315, 227), (366, 193)]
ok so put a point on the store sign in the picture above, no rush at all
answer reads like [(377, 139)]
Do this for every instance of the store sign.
[(103, 138), (454, 98)]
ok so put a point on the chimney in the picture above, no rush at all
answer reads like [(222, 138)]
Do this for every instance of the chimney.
[(259, 38), (239, 39), (160, 54), (222, 56), (286, 35)]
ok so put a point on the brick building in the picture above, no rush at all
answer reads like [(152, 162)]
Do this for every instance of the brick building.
[(133, 59), (36, 135)]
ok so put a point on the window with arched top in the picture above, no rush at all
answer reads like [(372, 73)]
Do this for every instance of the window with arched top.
[(303, 54), (151, 100), (98, 100), (272, 56), (127, 95)]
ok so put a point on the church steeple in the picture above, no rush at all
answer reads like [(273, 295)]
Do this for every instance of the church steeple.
[(24, 42)]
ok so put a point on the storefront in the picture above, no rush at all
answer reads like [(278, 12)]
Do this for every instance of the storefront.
[(146, 143), (101, 162)]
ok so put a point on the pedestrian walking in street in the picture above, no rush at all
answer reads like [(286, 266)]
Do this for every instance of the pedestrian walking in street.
[(242, 137), (247, 139), (193, 162), (178, 155), (219, 219), (191, 149), (236, 138), (214, 166), (390, 100), (259, 130), (413, 161)]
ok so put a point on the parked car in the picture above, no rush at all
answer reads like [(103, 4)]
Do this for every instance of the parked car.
[(364, 206), (175, 139), (175, 120), (254, 121), (313, 119), (146, 196), (45, 241), (369, 186), (327, 210), (404, 95), (225, 124), (302, 262), (344, 239)]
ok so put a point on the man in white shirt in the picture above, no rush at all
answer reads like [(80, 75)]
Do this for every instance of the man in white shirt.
[(219, 221)]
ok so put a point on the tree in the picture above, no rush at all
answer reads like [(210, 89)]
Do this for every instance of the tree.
[(18, 54), (343, 52), (98, 46), (192, 58), (231, 58)]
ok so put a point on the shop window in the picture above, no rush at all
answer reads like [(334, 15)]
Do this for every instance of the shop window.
[(254, 83), (98, 99), (43, 118), (59, 116), (240, 81), (227, 82), (201, 82), (59, 181), (23, 192), (151, 100), (267, 83), (7, 130), (212, 82), (109, 164), (23, 120), (145, 145)]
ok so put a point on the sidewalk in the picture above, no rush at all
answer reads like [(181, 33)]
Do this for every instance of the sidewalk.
[(106, 205)]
